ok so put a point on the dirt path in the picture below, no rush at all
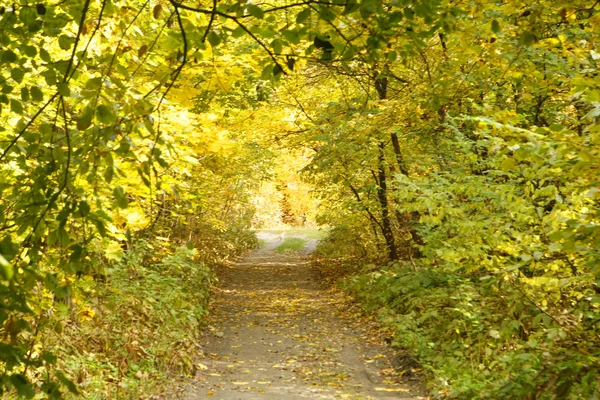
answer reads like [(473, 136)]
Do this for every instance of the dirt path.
[(278, 333)]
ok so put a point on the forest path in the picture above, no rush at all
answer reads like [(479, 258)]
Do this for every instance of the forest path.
[(279, 333)]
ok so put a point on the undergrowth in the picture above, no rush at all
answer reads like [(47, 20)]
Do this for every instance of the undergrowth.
[(477, 334), (475, 340), (140, 327), (127, 330)]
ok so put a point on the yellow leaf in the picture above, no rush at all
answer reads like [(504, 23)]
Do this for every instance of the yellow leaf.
[(509, 164), (86, 314), (114, 251), (136, 220), (382, 389)]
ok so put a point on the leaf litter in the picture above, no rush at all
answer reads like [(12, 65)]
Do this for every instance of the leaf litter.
[(277, 332)]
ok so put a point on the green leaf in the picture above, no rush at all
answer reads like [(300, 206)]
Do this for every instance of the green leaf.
[(36, 93), (67, 382), (556, 236), (267, 72), (46, 128), (144, 178), (303, 15), (120, 197), (255, 11), (23, 386), (527, 39), (45, 56), (213, 39), (291, 36), (495, 26), (30, 51), (34, 26), (31, 137), (326, 14), (16, 106), (63, 89), (509, 164), (238, 32), (100, 227), (105, 115), (109, 174), (8, 56), (63, 291), (351, 6), (6, 269), (17, 74), (84, 208), (85, 120), (50, 76), (277, 70), (8, 249), (24, 94), (277, 46), (93, 84), (65, 42)]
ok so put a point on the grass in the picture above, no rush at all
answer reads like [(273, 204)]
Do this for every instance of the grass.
[(291, 245)]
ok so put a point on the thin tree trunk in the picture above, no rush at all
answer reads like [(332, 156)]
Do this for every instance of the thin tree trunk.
[(386, 225), (381, 83), (398, 153), (372, 219)]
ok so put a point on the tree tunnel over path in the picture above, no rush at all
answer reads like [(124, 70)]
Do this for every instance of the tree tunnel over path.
[(450, 147)]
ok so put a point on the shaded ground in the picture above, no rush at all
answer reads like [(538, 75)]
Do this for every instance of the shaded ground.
[(278, 333)]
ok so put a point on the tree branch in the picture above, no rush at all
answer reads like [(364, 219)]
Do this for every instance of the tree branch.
[(210, 22), (86, 7)]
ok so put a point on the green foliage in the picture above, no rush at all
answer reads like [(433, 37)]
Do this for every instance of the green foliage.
[(477, 338), (472, 148), (97, 156), (140, 325), (346, 242), (458, 138)]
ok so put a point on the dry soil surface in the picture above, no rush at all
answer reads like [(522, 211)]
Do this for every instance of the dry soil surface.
[(277, 332)]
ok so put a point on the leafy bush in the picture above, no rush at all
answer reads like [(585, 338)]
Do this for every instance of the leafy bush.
[(478, 339), (139, 325)]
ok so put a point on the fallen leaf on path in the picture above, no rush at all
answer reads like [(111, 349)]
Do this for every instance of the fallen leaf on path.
[(380, 389)]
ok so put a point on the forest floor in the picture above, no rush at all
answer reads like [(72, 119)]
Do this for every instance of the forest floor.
[(277, 332)]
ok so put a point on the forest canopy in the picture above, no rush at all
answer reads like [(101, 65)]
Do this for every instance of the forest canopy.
[(453, 148)]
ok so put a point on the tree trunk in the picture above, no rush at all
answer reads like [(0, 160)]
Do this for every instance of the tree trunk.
[(386, 225), (381, 83), (398, 153)]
